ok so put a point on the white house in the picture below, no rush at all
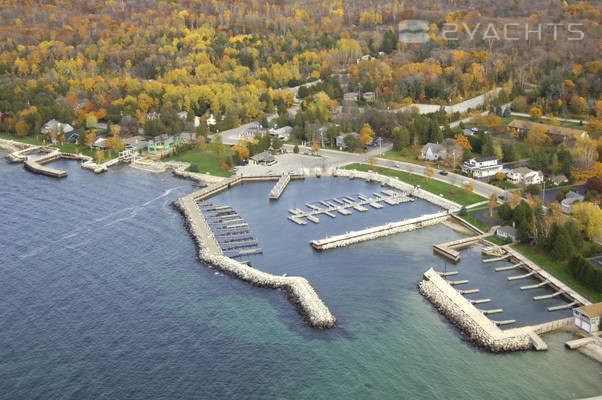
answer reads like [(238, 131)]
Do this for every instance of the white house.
[(283, 133), (432, 152), (211, 120), (588, 317), (506, 232), (482, 167), (570, 199), (524, 175), (56, 126)]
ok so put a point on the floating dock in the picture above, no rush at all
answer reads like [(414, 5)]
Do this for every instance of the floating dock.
[(563, 306), (525, 276), (548, 296), (344, 204), (499, 269), (535, 286)]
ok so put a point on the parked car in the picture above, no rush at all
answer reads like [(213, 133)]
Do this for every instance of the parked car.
[(270, 172), (443, 172), (291, 172)]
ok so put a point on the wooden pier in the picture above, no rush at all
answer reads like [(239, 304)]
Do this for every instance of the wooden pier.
[(499, 269), (548, 296), (490, 260), (535, 286), (563, 306)]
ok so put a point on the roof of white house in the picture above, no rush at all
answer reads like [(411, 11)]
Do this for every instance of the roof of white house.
[(592, 311), (434, 147)]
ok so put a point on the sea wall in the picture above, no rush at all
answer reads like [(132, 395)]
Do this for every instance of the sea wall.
[(478, 329), (397, 184), (299, 290), (379, 231)]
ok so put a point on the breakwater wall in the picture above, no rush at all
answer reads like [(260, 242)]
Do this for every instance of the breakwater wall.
[(298, 289), (37, 165), (397, 184), (379, 231), (478, 329)]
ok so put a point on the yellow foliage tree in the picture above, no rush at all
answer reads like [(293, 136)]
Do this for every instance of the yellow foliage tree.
[(535, 113), (589, 217), (366, 134)]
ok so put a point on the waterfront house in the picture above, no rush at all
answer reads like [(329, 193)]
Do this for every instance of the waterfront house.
[(99, 144), (432, 152), (482, 167), (283, 133), (55, 126), (525, 176), (588, 317), (559, 134), (135, 143), (263, 158), (506, 232), (570, 199), (468, 132)]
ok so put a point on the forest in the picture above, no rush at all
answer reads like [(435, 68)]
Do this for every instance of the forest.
[(139, 63)]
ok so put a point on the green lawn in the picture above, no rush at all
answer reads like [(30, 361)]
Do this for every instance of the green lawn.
[(410, 155), (26, 139), (207, 160), (448, 191), (476, 222), (74, 149), (558, 269), (503, 184), (496, 240)]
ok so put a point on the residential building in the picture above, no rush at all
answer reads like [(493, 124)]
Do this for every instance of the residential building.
[(559, 179), (588, 317), (283, 133), (559, 134), (99, 144), (340, 140), (482, 167), (211, 120), (506, 232), (570, 199), (135, 143), (468, 132), (55, 126), (432, 152), (525, 176), (263, 158)]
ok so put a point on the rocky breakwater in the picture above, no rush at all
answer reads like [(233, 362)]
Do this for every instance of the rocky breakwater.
[(350, 238), (400, 185), (479, 329), (299, 290)]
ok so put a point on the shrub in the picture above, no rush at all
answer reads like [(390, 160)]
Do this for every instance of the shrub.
[(533, 189), (463, 211), (194, 168)]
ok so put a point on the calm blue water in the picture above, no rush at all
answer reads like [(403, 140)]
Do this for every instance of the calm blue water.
[(103, 297)]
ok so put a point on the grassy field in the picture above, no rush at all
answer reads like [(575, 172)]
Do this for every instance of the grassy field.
[(410, 155), (207, 160), (507, 120), (476, 222), (26, 139), (448, 191), (496, 240), (558, 269)]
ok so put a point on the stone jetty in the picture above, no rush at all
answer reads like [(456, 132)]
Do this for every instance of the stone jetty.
[(479, 329), (379, 231), (299, 290)]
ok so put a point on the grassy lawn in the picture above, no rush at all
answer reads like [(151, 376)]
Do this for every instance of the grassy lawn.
[(476, 222), (495, 240), (558, 269), (410, 155), (448, 191), (74, 149), (26, 139), (503, 184), (207, 160)]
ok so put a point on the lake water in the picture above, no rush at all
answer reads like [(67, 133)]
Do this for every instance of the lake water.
[(103, 297)]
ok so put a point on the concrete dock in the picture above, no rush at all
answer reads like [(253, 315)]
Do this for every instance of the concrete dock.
[(282, 183), (378, 231), (478, 328)]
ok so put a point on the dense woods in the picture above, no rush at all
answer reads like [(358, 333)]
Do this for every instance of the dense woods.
[(138, 63)]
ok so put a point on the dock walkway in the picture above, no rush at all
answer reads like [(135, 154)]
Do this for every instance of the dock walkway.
[(282, 183)]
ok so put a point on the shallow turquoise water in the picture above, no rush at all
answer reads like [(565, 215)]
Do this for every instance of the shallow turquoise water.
[(102, 297)]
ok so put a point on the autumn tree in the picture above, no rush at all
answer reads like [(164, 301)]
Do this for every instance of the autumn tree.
[(241, 149), (366, 134), (589, 217), (90, 139), (537, 138), (500, 176), (315, 146), (463, 141), (22, 128), (535, 113), (114, 144), (99, 155), (201, 142), (429, 172)]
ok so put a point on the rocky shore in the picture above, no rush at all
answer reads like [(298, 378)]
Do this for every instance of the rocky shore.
[(478, 329)]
